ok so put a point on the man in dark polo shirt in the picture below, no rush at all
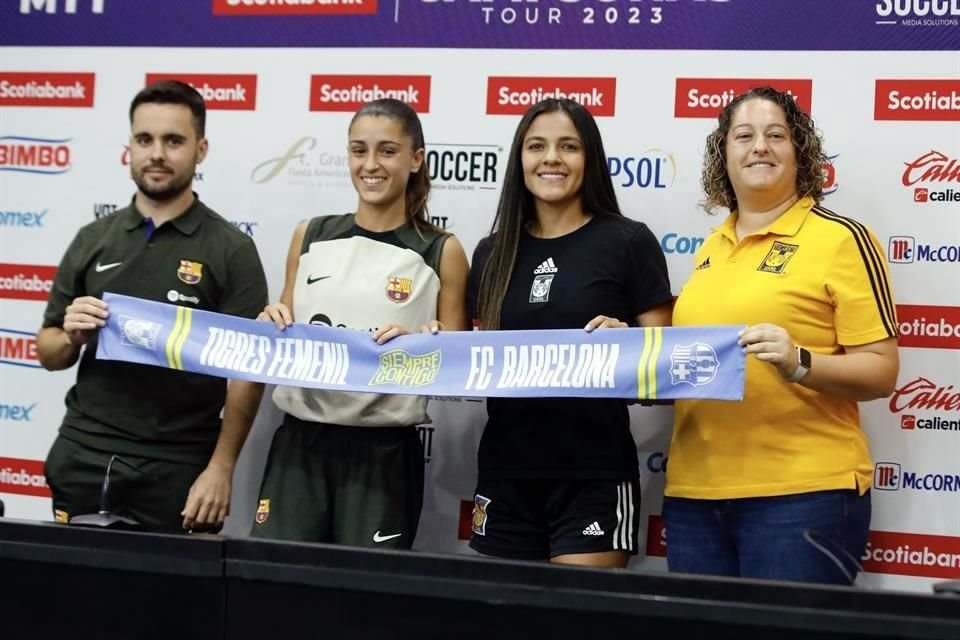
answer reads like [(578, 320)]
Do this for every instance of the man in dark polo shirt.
[(166, 246)]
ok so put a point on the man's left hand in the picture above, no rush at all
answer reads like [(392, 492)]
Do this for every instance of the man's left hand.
[(208, 502)]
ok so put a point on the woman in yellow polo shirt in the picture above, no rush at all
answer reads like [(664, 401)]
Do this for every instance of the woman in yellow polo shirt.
[(778, 486)]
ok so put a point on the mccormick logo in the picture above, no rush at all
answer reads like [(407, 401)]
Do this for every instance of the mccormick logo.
[(514, 95), (912, 554), (18, 348), (922, 394), (293, 7), (34, 155), (932, 168), (929, 327), (886, 476), (706, 97), (889, 476), (24, 477), (229, 92), (349, 93), (29, 89), (26, 281), (917, 100), (905, 249)]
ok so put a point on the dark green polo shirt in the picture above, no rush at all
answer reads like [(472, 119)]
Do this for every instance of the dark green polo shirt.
[(197, 260)]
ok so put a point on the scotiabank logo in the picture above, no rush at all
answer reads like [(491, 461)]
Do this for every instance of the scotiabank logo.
[(513, 96), (34, 155), (23, 477), (917, 100), (656, 537), (928, 326), (293, 7), (26, 281), (29, 89), (912, 554), (18, 348), (706, 97), (933, 168), (230, 92), (349, 93)]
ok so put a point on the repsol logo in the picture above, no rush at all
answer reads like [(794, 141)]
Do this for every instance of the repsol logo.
[(652, 169), (675, 243), (25, 219), (16, 412), (465, 167)]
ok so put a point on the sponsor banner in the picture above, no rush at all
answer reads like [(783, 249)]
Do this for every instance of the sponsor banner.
[(650, 169), (706, 97), (912, 554), (18, 348), (892, 476), (929, 326), (917, 100), (645, 363), (46, 89), (23, 477), (934, 177), (224, 91), (23, 219), (907, 250), (656, 537), (349, 93), (297, 7), (514, 95), (26, 281), (45, 156), (879, 25)]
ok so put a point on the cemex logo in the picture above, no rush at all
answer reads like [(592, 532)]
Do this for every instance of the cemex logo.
[(928, 326), (912, 554), (17, 412), (917, 100), (26, 281), (514, 95), (932, 169), (34, 155), (46, 89), (349, 93), (66, 6), (706, 97), (293, 7), (24, 477), (229, 92), (23, 219)]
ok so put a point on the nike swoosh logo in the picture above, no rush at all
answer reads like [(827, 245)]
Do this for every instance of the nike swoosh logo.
[(312, 280), (379, 538), (104, 267)]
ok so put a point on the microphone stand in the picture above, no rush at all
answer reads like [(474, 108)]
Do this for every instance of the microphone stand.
[(104, 518)]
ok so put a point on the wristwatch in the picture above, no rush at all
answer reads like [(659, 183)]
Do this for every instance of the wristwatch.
[(803, 365)]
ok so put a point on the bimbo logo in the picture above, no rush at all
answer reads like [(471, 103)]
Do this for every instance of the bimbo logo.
[(349, 93), (706, 97), (34, 155), (932, 168), (929, 327), (50, 6), (917, 100), (46, 89), (912, 554), (18, 348), (229, 92), (26, 281), (24, 477), (293, 7), (514, 95)]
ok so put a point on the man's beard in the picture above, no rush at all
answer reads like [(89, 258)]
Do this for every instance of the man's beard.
[(176, 186)]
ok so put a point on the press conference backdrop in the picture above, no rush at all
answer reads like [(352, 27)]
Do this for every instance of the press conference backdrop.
[(282, 78)]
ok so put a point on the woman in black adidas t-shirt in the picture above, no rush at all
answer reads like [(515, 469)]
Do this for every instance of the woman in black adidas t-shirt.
[(558, 477)]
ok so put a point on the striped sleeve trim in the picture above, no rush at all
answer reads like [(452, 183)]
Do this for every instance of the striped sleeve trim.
[(874, 263)]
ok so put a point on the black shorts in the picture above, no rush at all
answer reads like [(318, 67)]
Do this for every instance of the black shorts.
[(360, 486), (541, 519)]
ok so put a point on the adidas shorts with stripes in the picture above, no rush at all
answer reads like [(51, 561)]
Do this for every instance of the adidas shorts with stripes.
[(539, 519)]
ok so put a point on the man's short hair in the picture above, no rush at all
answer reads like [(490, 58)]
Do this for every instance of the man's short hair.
[(174, 92)]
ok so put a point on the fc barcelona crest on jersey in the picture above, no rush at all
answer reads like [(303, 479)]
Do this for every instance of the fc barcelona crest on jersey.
[(190, 272), (479, 524), (778, 257), (399, 289), (263, 511)]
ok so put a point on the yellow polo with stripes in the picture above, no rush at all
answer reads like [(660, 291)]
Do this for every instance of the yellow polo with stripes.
[(823, 278)]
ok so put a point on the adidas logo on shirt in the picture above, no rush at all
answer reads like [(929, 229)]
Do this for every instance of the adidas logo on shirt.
[(703, 265), (593, 529), (546, 266)]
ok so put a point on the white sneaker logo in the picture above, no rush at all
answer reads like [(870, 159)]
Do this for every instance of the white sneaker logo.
[(104, 267), (547, 266), (593, 529), (379, 538)]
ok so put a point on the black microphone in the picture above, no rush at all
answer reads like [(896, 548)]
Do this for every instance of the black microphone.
[(104, 518), (947, 588)]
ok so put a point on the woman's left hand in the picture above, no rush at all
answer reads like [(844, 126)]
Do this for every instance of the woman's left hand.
[(434, 327), (388, 332), (772, 344), (604, 322)]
